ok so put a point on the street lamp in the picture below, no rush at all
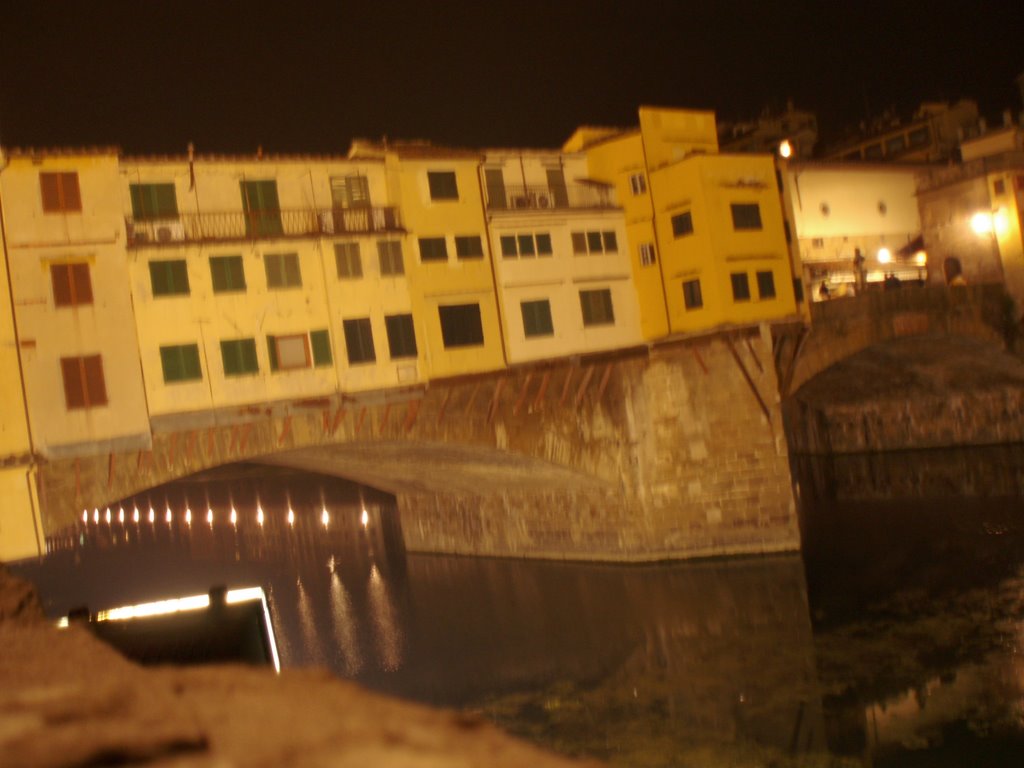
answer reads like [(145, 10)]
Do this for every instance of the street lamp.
[(785, 149)]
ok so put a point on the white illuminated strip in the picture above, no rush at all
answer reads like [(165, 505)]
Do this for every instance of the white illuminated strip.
[(257, 593), (159, 608)]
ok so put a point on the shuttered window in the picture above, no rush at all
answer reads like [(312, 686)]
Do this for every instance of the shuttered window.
[(153, 201), (228, 274), (288, 352), (461, 325), (262, 208), (401, 336), (83, 382), (389, 254), (320, 341), (239, 357), (359, 340), (60, 192), (71, 284), (282, 270), (180, 363), (469, 247), (347, 260), (537, 318), (169, 277), (597, 307), (433, 249)]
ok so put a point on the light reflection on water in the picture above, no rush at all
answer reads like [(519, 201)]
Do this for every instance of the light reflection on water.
[(915, 646)]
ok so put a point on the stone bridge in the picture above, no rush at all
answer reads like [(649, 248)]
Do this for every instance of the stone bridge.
[(905, 369), (670, 451)]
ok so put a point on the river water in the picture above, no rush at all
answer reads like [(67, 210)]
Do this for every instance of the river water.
[(895, 639)]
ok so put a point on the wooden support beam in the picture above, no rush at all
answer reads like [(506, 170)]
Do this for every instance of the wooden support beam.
[(522, 394), (605, 378), (787, 379), (699, 359), (538, 401), (750, 381), (325, 418), (582, 390), (211, 444), (492, 409), (190, 446), (411, 412), (384, 418), (286, 431), (753, 354), (78, 481), (565, 387), (472, 397), (173, 450), (444, 405), (111, 463), (246, 431), (360, 420), (338, 416)]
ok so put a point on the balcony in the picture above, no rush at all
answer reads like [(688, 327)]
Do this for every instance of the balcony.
[(542, 197), (228, 226)]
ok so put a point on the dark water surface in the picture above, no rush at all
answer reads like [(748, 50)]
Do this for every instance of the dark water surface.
[(895, 639)]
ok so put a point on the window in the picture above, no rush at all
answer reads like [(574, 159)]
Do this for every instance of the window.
[(347, 260), (442, 185), (873, 152), (282, 270), (765, 285), (288, 352), (71, 284), (682, 224), (389, 253), (594, 242), (153, 201), (433, 249), (262, 208), (350, 191), (169, 277), (461, 325), (320, 341), (740, 286), (526, 245), (999, 187), (638, 183), (597, 307), (746, 216), (180, 363), (227, 273), (469, 247), (895, 145), (401, 336), (692, 297), (509, 246), (83, 382), (798, 290), (648, 257), (60, 192), (537, 318), (918, 137), (239, 357), (543, 243), (359, 340)]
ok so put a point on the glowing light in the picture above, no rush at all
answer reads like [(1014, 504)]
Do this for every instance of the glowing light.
[(168, 516), (62, 623), (85, 515), (120, 514), (135, 514), (884, 256), (158, 608), (209, 516), (920, 258), (1000, 222), (981, 223), (95, 515), (152, 515), (188, 516), (325, 518), (107, 515), (291, 516), (365, 519), (234, 516), (785, 148), (259, 514)]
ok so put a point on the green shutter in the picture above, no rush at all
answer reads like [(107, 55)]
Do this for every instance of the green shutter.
[(180, 363), (272, 352), (138, 203), (321, 343)]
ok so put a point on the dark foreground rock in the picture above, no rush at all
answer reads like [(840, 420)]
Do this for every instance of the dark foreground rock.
[(66, 699)]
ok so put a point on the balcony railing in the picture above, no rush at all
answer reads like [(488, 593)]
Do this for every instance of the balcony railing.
[(541, 197), (258, 225)]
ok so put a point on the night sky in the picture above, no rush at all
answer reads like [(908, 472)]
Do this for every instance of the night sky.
[(152, 75)]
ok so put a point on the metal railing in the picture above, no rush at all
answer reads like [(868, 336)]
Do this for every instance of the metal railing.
[(259, 225), (541, 197)]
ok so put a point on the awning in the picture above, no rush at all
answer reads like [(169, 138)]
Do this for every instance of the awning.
[(908, 250)]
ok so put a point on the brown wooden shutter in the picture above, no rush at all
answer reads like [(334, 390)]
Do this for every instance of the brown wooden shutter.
[(96, 390), (74, 389), (60, 276), (81, 283), (72, 196), (49, 185)]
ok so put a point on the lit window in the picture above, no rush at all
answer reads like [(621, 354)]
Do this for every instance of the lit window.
[(288, 352)]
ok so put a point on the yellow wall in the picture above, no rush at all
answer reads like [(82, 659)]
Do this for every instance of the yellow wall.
[(14, 435), (38, 239), (706, 186), (21, 533), (1007, 230), (670, 135), (435, 284)]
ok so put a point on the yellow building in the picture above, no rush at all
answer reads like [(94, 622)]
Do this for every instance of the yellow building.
[(286, 278), (706, 234), (451, 280), (561, 256)]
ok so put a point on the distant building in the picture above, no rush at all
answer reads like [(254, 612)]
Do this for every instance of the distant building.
[(767, 133), (932, 135), (840, 210)]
